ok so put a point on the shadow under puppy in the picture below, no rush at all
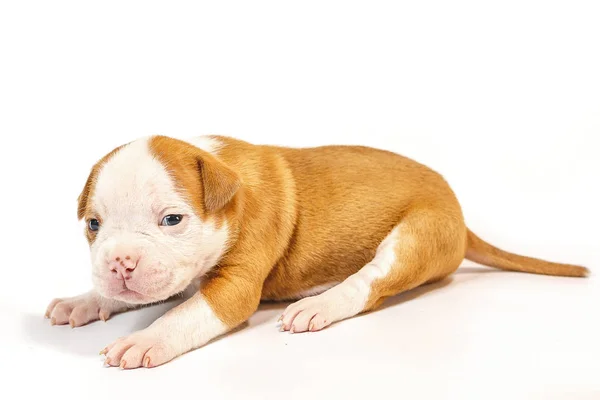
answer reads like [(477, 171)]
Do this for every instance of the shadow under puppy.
[(338, 228)]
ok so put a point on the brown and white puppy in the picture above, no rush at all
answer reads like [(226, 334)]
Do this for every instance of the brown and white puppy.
[(339, 228)]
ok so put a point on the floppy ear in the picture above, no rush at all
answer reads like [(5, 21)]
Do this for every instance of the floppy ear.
[(220, 183), (82, 199), (210, 183)]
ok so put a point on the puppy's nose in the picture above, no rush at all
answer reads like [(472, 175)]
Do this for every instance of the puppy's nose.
[(122, 264)]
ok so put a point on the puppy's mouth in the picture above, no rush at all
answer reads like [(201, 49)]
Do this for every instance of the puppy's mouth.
[(125, 293), (132, 294), (142, 289)]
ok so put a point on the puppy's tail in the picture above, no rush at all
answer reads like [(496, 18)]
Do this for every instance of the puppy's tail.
[(484, 253)]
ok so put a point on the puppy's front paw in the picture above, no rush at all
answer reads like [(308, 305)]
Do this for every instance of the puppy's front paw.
[(145, 348), (81, 310)]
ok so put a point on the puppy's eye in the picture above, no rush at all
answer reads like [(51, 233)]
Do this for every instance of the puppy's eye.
[(171, 219), (93, 225)]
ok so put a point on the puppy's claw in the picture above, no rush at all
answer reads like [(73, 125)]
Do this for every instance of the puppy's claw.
[(147, 362), (53, 321), (123, 364), (72, 323)]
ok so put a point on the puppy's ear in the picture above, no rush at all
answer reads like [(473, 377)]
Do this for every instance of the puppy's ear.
[(210, 184), (220, 183), (82, 199)]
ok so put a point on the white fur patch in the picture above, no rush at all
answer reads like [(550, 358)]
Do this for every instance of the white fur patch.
[(209, 144), (378, 268), (190, 325)]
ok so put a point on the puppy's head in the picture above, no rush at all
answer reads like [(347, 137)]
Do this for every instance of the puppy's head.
[(155, 216)]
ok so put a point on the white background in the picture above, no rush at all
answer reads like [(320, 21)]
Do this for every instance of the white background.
[(502, 98)]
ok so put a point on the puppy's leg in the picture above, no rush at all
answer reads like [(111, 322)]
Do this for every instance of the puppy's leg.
[(426, 246), (225, 300), (83, 309)]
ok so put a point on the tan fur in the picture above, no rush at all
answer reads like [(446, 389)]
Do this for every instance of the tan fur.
[(484, 253), (264, 225), (351, 198), (301, 218)]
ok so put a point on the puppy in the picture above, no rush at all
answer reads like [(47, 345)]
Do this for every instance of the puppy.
[(338, 228)]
